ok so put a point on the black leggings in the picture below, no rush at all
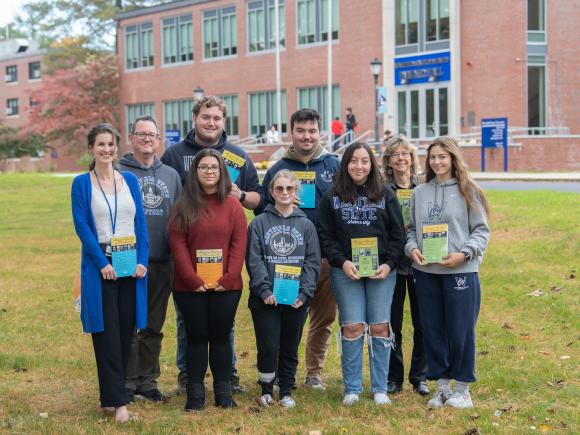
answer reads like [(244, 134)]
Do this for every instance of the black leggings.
[(209, 318)]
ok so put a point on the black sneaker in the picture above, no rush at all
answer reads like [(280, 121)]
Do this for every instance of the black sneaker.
[(129, 395), (236, 387), (182, 379), (394, 387), (153, 395)]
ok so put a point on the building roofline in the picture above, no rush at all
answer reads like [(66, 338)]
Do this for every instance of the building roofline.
[(159, 8)]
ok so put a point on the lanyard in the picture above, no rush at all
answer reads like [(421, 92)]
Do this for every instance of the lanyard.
[(113, 221)]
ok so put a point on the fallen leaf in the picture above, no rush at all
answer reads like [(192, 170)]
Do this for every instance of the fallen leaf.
[(531, 418), (536, 293), (543, 352), (255, 409), (474, 416), (483, 352), (507, 408), (20, 370), (545, 428), (524, 336), (497, 413), (570, 344), (556, 289), (472, 431), (550, 410), (315, 432), (563, 424), (506, 325), (511, 348), (101, 421), (565, 357), (499, 390), (344, 429), (43, 415), (561, 382), (238, 429), (547, 419), (532, 427), (244, 354)]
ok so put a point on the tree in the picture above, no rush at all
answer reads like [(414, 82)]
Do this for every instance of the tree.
[(71, 101), (17, 143)]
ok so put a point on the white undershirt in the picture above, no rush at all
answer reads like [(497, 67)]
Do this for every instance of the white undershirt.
[(125, 225)]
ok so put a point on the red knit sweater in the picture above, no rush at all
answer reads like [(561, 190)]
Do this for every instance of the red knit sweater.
[(225, 228)]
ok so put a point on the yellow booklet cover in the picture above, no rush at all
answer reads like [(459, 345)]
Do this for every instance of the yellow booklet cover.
[(209, 266)]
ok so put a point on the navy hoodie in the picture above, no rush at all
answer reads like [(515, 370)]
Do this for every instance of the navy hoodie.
[(296, 235), (180, 156)]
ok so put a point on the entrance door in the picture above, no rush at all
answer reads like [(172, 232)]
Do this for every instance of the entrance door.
[(423, 112)]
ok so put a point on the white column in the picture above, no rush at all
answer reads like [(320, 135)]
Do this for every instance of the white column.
[(388, 40), (329, 75), (455, 48), (278, 85)]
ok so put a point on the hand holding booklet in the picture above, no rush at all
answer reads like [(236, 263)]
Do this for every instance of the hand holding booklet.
[(286, 283), (124, 255), (435, 242), (209, 264), (365, 255)]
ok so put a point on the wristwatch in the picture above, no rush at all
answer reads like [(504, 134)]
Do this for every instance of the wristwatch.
[(242, 196), (467, 255)]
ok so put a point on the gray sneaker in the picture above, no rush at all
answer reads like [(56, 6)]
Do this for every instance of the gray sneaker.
[(287, 402), (314, 382), (438, 400), (460, 400)]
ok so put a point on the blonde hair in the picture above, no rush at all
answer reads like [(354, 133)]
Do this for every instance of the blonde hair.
[(289, 175), (467, 186), (389, 147)]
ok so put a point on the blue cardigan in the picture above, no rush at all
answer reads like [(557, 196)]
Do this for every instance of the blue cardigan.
[(93, 259)]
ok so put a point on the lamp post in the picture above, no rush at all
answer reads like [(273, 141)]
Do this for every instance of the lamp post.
[(198, 93), (376, 67)]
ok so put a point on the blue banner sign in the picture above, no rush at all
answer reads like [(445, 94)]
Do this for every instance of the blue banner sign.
[(494, 134), (382, 99), (171, 137), (423, 69)]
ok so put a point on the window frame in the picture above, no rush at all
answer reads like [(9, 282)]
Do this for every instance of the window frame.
[(182, 27), (141, 112), (232, 122), (11, 76), (13, 105), (321, 99), (267, 7), (406, 23), (438, 19), (37, 64), (141, 59), (318, 21), (269, 111), (225, 25)]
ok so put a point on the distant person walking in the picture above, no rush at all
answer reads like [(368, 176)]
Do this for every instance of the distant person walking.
[(449, 206), (337, 128), (107, 210), (351, 125)]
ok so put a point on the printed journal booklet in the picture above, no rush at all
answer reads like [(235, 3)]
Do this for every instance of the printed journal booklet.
[(307, 188), (435, 242), (234, 163), (404, 197), (124, 255), (209, 266), (365, 255), (286, 283)]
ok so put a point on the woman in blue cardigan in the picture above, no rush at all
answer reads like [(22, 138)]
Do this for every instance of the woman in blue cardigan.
[(106, 206)]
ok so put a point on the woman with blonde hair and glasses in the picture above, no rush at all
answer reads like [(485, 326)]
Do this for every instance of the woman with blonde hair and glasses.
[(447, 236), (401, 168)]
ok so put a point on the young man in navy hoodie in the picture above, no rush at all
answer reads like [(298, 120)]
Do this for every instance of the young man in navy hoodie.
[(209, 115), (305, 154), (160, 186)]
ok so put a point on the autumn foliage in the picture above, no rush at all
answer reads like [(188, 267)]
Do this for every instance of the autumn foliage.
[(71, 101)]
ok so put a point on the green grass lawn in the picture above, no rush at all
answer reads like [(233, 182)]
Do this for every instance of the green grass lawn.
[(527, 357)]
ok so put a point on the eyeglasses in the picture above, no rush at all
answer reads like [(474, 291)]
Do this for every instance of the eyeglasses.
[(142, 135), (281, 189), (206, 168), (401, 154)]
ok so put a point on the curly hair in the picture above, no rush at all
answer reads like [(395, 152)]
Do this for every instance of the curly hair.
[(389, 147)]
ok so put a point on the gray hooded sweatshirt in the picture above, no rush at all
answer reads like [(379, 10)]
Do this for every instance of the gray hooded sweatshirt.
[(160, 186), (274, 239), (442, 203)]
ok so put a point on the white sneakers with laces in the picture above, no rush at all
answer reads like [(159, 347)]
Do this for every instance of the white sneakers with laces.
[(438, 400), (350, 399), (460, 400)]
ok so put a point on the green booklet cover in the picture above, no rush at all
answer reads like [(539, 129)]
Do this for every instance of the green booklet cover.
[(404, 197), (435, 242), (365, 255)]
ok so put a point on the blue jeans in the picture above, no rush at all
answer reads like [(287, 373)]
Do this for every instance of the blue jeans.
[(365, 301)]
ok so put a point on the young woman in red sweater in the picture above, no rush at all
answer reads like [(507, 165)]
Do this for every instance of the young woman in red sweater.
[(207, 236)]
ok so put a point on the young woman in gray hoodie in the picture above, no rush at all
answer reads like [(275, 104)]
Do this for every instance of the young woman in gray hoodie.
[(448, 291), (281, 236)]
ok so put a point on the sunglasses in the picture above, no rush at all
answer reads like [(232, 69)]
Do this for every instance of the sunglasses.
[(281, 189)]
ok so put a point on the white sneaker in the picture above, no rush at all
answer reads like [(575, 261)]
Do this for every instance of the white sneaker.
[(350, 399), (438, 400), (460, 400), (287, 402), (266, 400), (314, 382), (382, 399)]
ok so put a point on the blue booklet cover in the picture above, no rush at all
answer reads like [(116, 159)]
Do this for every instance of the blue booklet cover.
[(286, 284), (124, 255), (307, 188), (234, 163)]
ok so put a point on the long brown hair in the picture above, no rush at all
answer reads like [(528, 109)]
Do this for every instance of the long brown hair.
[(92, 137), (467, 186), (192, 203), (345, 187), (391, 144)]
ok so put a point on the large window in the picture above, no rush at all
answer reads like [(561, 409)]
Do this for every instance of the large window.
[(11, 74), (220, 33), (536, 21), (177, 116), (11, 106), (536, 95), (261, 25), (316, 98), (136, 110), (423, 112), (263, 111), (407, 21), (177, 39), (139, 46), (232, 118), (437, 20), (34, 70), (312, 21)]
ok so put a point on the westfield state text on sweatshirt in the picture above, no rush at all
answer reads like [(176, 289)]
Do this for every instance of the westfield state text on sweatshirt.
[(180, 156), (274, 239), (442, 203), (340, 221), (160, 186)]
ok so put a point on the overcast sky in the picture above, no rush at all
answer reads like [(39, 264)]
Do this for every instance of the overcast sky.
[(9, 9)]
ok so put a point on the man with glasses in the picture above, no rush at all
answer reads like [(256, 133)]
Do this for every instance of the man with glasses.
[(160, 186), (316, 168), (209, 116)]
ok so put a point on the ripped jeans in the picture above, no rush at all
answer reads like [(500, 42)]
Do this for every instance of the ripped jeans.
[(364, 302)]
